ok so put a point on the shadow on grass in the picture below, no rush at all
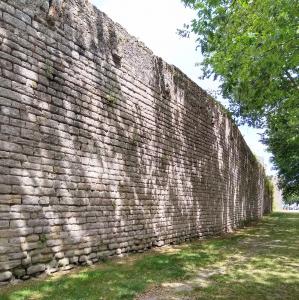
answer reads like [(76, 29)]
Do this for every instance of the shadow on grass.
[(259, 262), (117, 279), (266, 264)]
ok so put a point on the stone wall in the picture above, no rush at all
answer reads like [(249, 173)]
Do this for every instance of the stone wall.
[(105, 148)]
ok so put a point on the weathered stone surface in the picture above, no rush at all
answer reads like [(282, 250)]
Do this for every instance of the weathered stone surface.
[(63, 262), (26, 261), (158, 243), (14, 21), (35, 269), (105, 148), (5, 276)]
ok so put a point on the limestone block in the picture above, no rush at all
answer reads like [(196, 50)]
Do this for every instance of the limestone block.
[(5, 276), (63, 262), (14, 21), (35, 269)]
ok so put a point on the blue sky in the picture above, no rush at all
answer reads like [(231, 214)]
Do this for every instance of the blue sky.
[(155, 22)]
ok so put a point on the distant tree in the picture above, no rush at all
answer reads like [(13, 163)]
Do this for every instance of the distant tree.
[(282, 138), (252, 46), (291, 199)]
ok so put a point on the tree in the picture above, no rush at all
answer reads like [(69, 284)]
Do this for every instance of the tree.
[(252, 47), (282, 138)]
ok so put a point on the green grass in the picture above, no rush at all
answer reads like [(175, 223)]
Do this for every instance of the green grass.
[(260, 262)]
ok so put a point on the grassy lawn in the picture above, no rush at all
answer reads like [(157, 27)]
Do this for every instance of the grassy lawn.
[(260, 262)]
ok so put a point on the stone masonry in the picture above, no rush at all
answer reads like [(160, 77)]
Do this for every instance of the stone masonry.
[(105, 148)]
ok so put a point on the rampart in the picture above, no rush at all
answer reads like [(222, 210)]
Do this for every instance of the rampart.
[(105, 148)]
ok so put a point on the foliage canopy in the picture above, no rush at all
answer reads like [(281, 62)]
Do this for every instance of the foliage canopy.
[(252, 47)]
